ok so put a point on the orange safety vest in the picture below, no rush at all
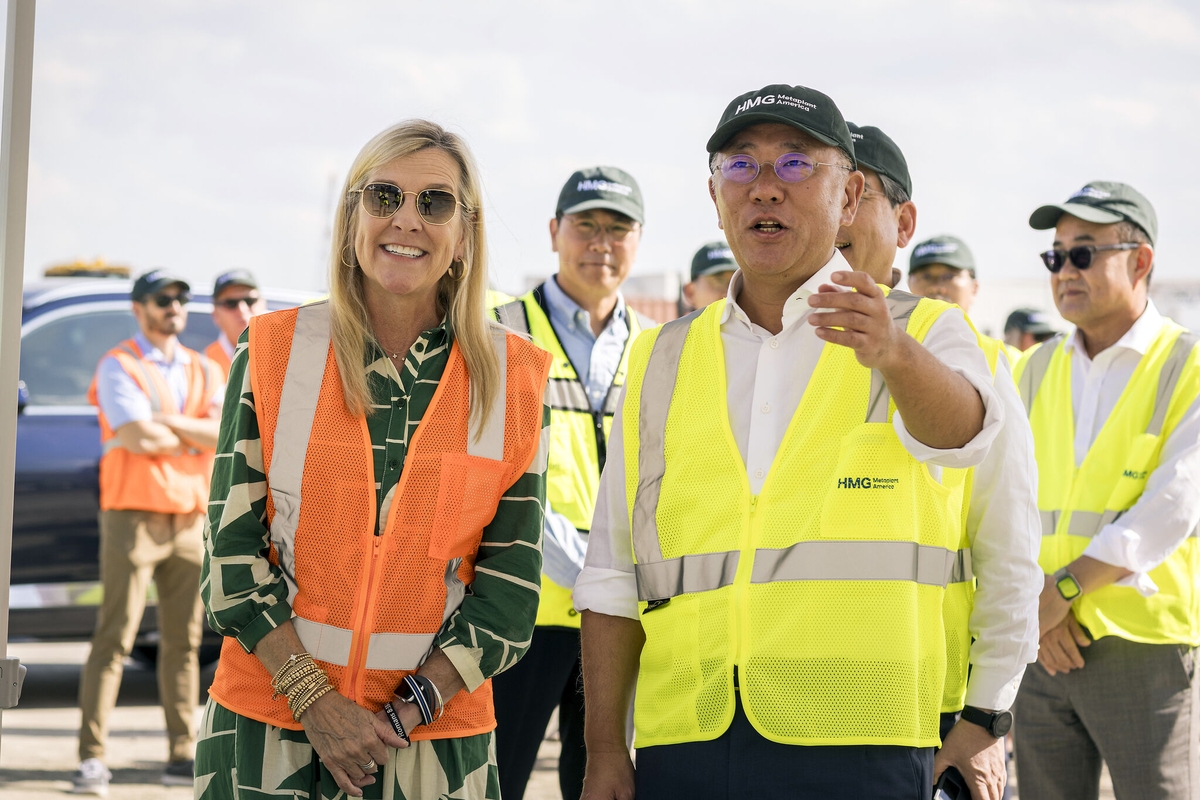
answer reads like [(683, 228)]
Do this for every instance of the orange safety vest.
[(216, 354), (168, 484), (368, 607)]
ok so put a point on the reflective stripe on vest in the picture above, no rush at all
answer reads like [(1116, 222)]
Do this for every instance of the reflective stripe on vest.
[(297, 409)]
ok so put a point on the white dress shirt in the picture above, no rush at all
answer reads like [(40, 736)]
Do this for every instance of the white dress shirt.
[(1169, 507), (767, 375)]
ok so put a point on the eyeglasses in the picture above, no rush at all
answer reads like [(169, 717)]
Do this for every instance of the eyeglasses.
[(382, 200), (165, 300), (790, 167), (1081, 256), (233, 303), (586, 230)]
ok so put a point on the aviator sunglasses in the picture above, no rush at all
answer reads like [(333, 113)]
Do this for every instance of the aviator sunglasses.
[(382, 200), (1081, 256), (790, 167)]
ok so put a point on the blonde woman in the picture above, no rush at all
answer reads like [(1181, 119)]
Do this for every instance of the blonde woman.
[(375, 523)]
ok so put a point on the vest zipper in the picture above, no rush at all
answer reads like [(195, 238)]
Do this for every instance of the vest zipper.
[(357, 673), (741, 589), (601, 442)]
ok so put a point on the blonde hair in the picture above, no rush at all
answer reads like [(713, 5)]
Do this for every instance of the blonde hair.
[(462, 299)]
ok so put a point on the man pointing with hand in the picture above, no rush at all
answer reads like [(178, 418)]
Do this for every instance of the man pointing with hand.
[(779, 514)]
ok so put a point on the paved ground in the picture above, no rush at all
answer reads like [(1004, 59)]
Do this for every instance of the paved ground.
[(38, 744)]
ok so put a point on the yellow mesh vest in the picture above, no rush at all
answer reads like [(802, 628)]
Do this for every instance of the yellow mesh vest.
[(825, 590), (1075, 503), (573, 470)]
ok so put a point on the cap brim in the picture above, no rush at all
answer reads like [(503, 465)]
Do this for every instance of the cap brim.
[(629, 209), (1046, 217), (715, 269), (726, 132), (235, 282)]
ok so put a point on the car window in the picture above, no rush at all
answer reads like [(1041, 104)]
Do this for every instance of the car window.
[(58, 360)]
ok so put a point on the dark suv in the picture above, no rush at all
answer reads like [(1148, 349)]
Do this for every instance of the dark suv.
[(67, 325)]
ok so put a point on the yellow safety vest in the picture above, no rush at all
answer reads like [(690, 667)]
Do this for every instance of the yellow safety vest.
[(824, 591), (578, 435), (1077, 502), (960, 595)]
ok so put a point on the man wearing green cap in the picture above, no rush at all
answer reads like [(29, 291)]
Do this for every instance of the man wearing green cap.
[(989, 614), (1115, 412), (713, 266), (580, 317), (772, 542)]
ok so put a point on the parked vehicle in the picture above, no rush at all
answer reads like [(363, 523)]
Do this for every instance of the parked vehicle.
[(67, 325)]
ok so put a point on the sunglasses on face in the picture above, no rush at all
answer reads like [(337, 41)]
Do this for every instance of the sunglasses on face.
[(382, 200), (165, 300), (789, 167), (1081, 256), (233, 303)]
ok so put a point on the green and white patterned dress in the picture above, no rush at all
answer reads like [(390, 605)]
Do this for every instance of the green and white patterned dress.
[(243, 759)]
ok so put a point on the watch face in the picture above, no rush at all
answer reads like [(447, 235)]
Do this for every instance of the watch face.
[(1067, 587), (1002, 723)]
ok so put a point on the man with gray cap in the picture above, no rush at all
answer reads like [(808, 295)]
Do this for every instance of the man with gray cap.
[(580, 317), (989, 613), (235, 298), (159, 411), (771, 546), (712, 268), (1115, 412)]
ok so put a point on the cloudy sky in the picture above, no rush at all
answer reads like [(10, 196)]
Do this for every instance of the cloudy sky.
[(206, 135)]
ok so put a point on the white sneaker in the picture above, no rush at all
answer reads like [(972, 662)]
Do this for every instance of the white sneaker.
[(92, 778)]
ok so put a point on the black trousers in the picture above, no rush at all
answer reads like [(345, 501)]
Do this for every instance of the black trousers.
[(741, 764), (525, 697)]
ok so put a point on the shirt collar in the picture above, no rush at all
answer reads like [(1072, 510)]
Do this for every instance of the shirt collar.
[(797, 304), (1138, 338), (152, 353), (566, 312)]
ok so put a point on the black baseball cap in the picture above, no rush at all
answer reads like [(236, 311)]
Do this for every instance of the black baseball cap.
[(602, 187), (1028, 320), (875, 150), (234, 277), (807, 109), (1102, 202), (714, 257), (948, 250), (155, 281)]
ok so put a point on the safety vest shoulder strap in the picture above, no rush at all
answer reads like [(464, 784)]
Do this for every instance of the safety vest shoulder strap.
[(1169, 377), (512, 316), (1033, 367)]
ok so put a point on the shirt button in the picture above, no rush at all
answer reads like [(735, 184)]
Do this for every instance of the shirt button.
[(758, 473), (766, 409), (393, 464), (774, 344)]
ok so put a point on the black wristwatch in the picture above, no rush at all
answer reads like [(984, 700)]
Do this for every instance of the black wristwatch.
[(997, 723)]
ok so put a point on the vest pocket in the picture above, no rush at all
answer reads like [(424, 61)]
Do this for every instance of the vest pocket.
[(469, 490)]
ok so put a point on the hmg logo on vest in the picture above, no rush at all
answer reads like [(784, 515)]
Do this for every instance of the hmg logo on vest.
[(1137, 475), (868, 483)]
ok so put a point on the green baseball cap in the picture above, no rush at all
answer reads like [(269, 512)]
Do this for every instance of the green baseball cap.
[(948, 250), (154, 281), (602, 187), (1102, 202), (714, 257), (807, 109), (875, 150)]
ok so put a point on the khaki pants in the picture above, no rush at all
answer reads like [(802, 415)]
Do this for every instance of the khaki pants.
[(135, 547)]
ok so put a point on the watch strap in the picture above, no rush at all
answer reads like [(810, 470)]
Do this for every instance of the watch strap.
[(984, 719)]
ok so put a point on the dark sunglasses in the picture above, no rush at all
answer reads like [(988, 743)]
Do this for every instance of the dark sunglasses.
[(232, 303), (790, 167), (1081, 256), (165, 300), (382, 200)]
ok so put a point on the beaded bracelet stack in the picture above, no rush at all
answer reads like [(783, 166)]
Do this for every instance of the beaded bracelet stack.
[(302, 682)]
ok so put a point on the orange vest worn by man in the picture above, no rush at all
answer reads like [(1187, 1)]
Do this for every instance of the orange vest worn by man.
[(158, 417), (368, 607)]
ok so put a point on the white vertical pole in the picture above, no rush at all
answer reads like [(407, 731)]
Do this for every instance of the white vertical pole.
[(14, 182)]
